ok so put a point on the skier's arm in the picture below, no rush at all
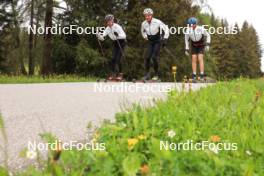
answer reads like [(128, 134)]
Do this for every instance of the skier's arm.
[(208, 37), (143, 32), (165, 29), (187, 44), (120, 34)]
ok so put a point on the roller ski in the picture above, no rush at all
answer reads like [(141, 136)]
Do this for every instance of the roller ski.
[(146, 79), (200, 79), (118, 78)]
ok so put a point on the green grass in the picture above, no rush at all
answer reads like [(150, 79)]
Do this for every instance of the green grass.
[(5, 79), (232, 111)]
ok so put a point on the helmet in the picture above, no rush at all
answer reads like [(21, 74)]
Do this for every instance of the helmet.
[(192, 21), (148, 11), (109, 17)]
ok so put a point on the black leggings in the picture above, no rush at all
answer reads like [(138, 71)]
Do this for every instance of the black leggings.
[(118, 49), (153, 53)]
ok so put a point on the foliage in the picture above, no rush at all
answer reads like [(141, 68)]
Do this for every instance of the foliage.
[(133, 141), (231, 56)]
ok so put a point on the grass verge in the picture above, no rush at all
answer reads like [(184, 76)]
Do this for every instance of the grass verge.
[(229, 113), (6, 79)]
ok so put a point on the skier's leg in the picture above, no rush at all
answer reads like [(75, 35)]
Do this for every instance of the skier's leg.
[(114, 60), (194, 65), (155, 59), (119, 55), (147, 60), (201, 63)]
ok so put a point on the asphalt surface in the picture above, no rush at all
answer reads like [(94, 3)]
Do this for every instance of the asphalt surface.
[(65, 109)]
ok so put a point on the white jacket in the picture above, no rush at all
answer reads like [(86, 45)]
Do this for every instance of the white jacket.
[(196, 35), (110, 32), (153, 28)]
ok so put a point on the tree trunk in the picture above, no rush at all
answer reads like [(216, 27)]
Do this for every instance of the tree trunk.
[(46, 60), (31, 64), (17, 39)]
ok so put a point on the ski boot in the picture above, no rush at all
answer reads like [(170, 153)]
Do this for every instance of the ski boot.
[(146, 77), (119, 78), (202, 78), (193, 78)]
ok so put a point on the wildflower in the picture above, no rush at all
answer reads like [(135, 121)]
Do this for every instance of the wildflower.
[(171, 133), (248, 153), (144, 169), (132, 142), (214, 149), (58, 147), (123, 124), (94, 140), (31, 154), (97, 134), (57, 152), (95, 137), (215, 138), (258, 94), (142, 137)]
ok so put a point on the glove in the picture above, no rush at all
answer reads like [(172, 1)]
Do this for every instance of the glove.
[(187, 52), (207, 48), (100, 37), (116, 34)]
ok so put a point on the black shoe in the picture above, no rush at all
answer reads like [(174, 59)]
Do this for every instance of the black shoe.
[(194, 76), (146, 77), (202, 77)]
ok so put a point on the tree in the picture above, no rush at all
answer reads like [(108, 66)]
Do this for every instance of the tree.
[(31, 41), (46, 60), (249, 63)]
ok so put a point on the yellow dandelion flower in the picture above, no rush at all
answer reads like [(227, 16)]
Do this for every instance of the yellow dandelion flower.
[(132, 142), (142, 137)]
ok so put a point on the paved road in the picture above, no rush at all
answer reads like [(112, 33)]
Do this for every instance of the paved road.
[(65, 109)]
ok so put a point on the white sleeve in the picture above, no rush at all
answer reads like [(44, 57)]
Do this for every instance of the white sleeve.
[(106, 32), (165, 28), (143, 32), (187, 39), (121, 32), (207, 35)]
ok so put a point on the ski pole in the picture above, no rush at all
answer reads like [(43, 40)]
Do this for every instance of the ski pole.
[(102, 51), (119, 45), (101, 48)]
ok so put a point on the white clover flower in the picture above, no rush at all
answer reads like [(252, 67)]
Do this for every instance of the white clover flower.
[(214, 149), (31, 154), (248, 152), (171, 133), (123, 125)]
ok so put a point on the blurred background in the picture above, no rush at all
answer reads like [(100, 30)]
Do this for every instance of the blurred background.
[(23, 53)]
